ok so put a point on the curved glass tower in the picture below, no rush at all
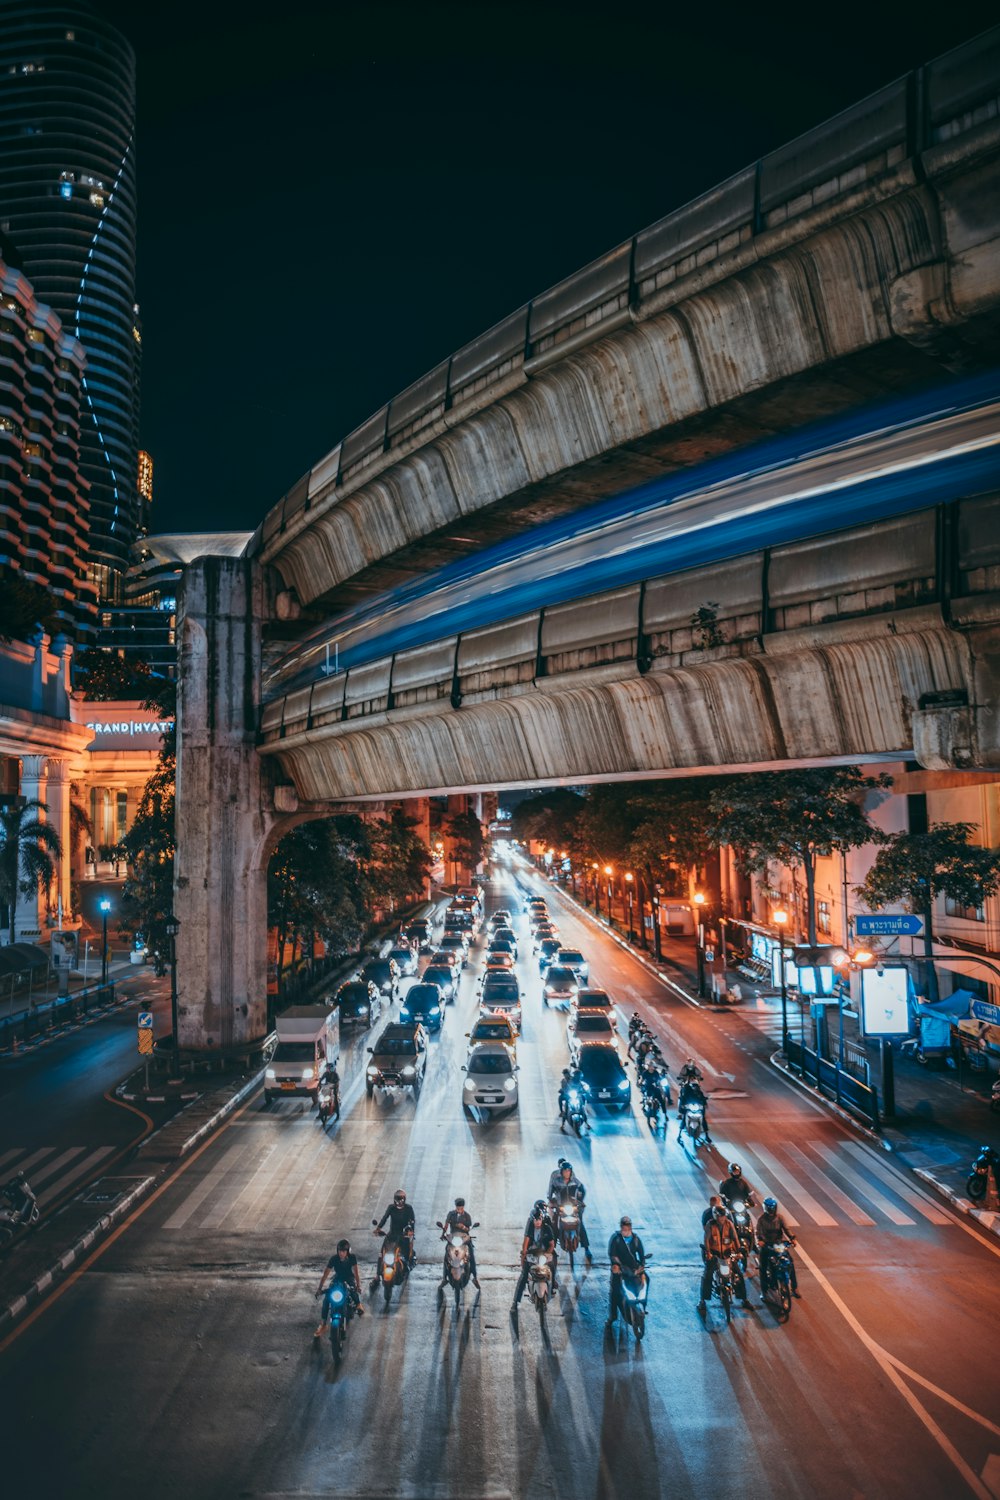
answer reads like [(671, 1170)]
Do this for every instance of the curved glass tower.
[(68, 201)]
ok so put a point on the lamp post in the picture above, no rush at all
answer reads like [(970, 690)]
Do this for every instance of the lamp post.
[(597, 891), (173, 928), (609, 870), (629, 878), (105, 906), (780, 919), (699, 901)]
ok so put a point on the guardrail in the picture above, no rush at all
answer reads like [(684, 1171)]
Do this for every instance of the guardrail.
[(849, 1092), (929, 107), (27, 1025)]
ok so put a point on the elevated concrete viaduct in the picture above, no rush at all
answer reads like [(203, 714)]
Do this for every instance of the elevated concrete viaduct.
[(862, 259)]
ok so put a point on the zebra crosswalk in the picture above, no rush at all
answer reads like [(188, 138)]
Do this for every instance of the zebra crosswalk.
[(52, 1170)]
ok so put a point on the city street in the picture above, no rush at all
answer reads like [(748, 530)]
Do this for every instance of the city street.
[(179, 1359)]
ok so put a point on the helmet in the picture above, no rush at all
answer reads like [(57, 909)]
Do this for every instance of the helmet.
[(539, 1208), (770, 1204), (623, 1221), (344, 1245), (719, 1211), (459, 1202), (399, 1196), (735, 1170), (566, 1166)]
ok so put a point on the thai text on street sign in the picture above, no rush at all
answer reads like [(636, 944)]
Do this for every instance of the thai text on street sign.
[(882, 925), (986, 1012)]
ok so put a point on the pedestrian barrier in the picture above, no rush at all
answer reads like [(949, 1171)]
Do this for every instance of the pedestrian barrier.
[(29, 1024), (849, 1092)]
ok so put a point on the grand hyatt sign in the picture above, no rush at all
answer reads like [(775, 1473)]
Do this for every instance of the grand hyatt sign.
[(128, 733)]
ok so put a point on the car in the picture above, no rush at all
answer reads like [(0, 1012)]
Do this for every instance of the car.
[(586, 1026), (504, 941), (444, 977), (493, 1027), (497, 1004), (539, 934), (383, 972), (461, 921), (573, 959), (490, 1078), (531, 902), (547, 950), (604, 1075), (499, 982), (398, 1059), (406, 958), (424, 1003), (471, 895), (497, 963), (454, 942), (594, 1000), (448, 958), (499, 918), (418, 934), (360, 1002), (560, 985)]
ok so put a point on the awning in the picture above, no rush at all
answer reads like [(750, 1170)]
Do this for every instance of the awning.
[(18, 958)]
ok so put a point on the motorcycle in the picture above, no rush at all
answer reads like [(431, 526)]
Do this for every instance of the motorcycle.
[(978, 1180), (740, 1211), (722, 1284), (337, 1311), (18, 1208), (651, 1106), (566, 1216), (694, 1124), (635, 1293), (459, 1265), (995, 1098), (576, 1111), (328, 1101), (779, 1280), (656, 1096), (540, 1277), (392, 1269)]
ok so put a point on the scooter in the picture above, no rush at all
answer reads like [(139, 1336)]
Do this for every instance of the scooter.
[(779, 1280), (540, 1279), (740, 1211), (566, 1215), (576, 1111), (392, 1269), (18, 1208), (328, 1100), (978, 1180), (694, 1124), (722, 1284), (635, 1293), (458, 1263)]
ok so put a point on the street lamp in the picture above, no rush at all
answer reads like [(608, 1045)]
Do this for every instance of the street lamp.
[(699, 901), (597, 891), (609, 870), (780, 920), (629, 877), (173, 927), (105, 906)]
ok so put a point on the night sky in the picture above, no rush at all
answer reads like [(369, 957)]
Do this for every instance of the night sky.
[(332, 198)]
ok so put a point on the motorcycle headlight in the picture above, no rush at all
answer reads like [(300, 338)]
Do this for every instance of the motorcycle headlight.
[(408, 1071), (470, 1085), (307, 1072), (270, 1073), (574, 1097), (509, 1085), (338, 1294), (623, 1085)]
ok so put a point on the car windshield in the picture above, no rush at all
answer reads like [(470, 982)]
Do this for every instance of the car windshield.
[(489, 1062), (600, 1063), (294, 1052), (570, 956), (560, 975), (449, 941), (400, 955), (594, 1000), (500, 994), (421, 996), (492, 1031), (397, 1046), (353, 992), (599, 1024), (501, 943), (437, 976), (376, 972)]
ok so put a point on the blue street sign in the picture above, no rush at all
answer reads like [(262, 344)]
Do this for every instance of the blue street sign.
[(145, 1020), (984, 1012), (886, 926)]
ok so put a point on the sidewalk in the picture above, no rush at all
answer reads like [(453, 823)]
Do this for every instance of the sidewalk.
[(940, 1121)]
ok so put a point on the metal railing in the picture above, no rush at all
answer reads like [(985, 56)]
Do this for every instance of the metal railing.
[(849, 1092), (25, 1026)]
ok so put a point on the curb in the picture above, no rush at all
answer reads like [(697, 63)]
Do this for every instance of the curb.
[(780, 1066), (15, 1309), (986, 1218)]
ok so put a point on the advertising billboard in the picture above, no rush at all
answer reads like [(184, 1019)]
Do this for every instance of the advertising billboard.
[(884, 1004)]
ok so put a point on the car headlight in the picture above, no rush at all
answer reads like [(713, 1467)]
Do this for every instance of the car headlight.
[(509, 1085), (409, 1071), (362, 1010), (623, 1085), (307, 1072), (373, 1072), (550, 989), (269, 1073), (470, 1085), (435, 1010), (403, 1011)]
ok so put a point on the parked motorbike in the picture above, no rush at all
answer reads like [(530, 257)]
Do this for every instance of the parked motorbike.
[(566, 1217), (392, 1267), (576, 1111), (779, 1280), (978, 1180), (635, 1293), (540, 1277), (459, 1264), (18, 1208)]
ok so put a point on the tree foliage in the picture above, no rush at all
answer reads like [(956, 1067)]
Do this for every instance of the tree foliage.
[(553, 817), (911, 869), (106, 677), (25, 608), (467, 842), (148, 895), (29, 849)]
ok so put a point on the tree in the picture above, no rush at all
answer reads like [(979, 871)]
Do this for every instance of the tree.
[(401, 858), (912, 869), (106, 677), (794, 817), (467, 843), (29, 849), (25, 608), (553, 817), (150, 843)]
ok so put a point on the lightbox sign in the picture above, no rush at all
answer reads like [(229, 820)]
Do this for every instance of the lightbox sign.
[(128, 733), (885, 1009)]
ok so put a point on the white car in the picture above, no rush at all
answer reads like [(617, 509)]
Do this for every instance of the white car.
[(572, 958), (589, 1026), (490, 1078)]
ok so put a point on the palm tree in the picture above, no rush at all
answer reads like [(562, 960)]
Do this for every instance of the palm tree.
[(29, 849)]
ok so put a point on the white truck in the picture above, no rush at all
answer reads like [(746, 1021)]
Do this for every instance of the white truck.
[(308, 1043)]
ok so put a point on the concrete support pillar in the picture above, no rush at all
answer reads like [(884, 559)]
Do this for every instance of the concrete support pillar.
[(419, 808), (57, 798), (30, 912), (455, 873), (220, 890)]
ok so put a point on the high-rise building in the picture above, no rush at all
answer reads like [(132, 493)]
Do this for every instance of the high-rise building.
[(43, 496), (68, 201)]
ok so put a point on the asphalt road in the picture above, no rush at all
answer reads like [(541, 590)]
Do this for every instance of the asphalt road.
[(180, 1362)]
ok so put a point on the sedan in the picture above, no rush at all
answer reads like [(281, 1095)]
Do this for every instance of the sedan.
[(423, 1003), (507, 1003), (418, 934), (500, 918), (490, 1078), (406, 958), (589, 1026), (595, 1000), (384, 973), (574, 959), (605, 1077), (497, 963), (540, 933), (504, 942), (452, 942), (360, 1003), (560, 986), (547, 950), (442, 976), (449, 959), (493, 1028)]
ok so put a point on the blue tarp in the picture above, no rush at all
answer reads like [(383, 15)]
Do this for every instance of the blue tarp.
[(935, 1021)]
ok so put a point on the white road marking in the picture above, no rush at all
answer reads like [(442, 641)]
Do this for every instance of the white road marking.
[(830, 1188), (63, 1182), (791, 1184), (207, 1185), (920, 1201), (862, 1185)]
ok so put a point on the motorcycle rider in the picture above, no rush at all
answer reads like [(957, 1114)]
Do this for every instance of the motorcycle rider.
[(459, 1221), (735, 1187), (691, 1073), (538, 1235), (565, 1185), (627, 1255), (572, 1081), (771, 1230), (721, 1240), (691, 1093), (343, 1267), (20, 1197), (332, 1077), (402, 1226)]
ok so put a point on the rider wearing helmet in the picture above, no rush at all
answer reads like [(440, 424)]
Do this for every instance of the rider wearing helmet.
[(459, 1221), (691, 1073), (572, 1079), (736, 1188), (402, 1225), (721, 1240), (343, 1267), (627, 1255), (771, 1231), (691, 1093), (538, 1235), (565, 1186)]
